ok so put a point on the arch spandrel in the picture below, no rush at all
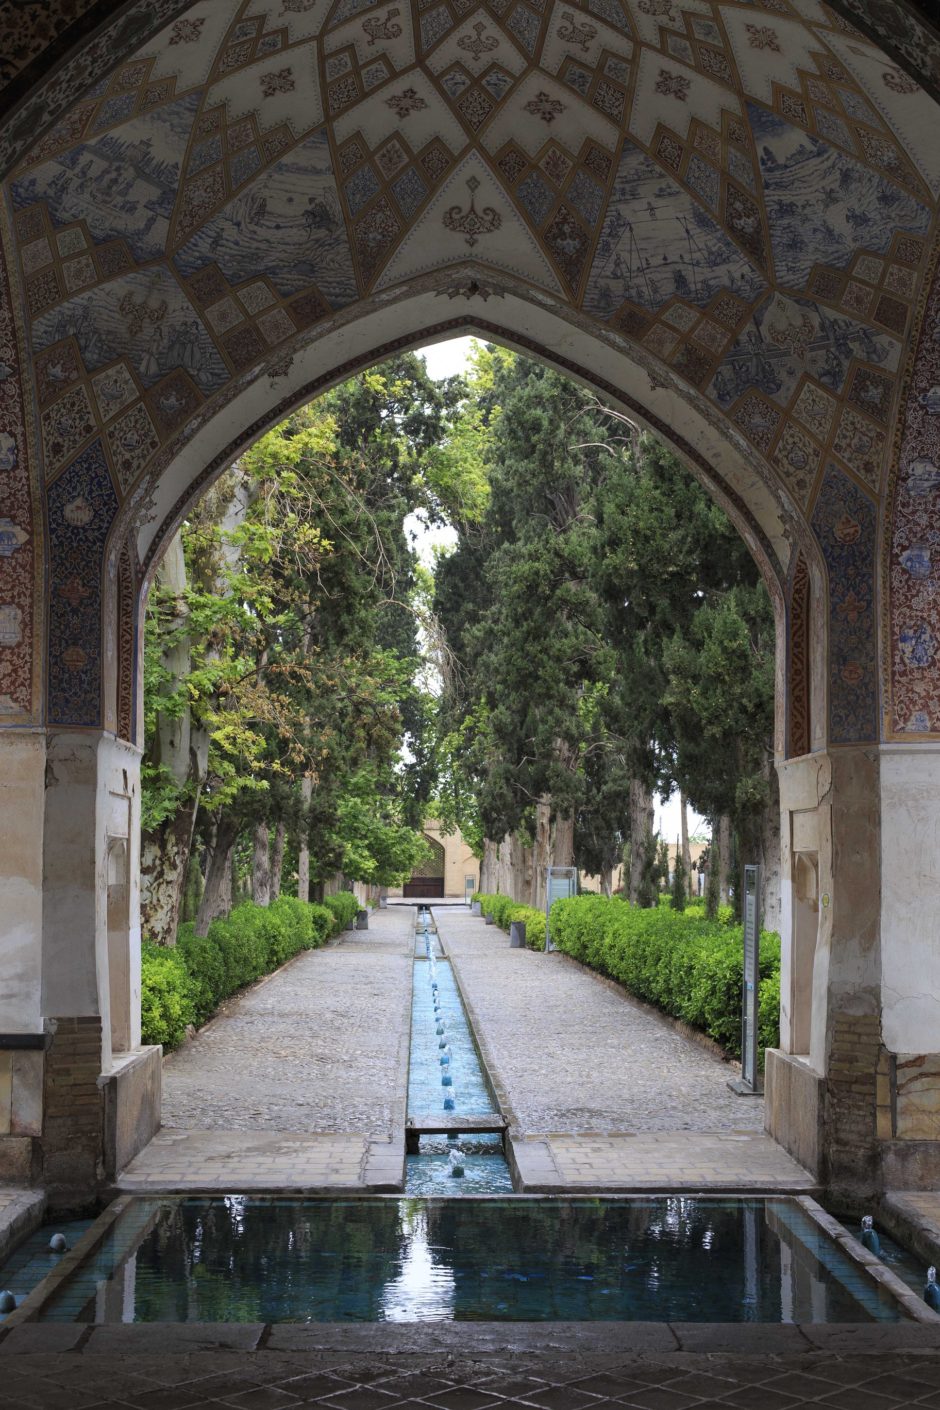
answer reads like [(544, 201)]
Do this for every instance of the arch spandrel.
[(727, 209)]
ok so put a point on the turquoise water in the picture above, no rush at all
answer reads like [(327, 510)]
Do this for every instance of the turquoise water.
[(517, 1259), (426, 1092), (446, 1082), (33, 1259), (908, 1267), (485, 1171)]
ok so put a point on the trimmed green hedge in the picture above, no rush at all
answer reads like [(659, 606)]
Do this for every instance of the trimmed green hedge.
[(343, 906), (504, 909), (186, 984), (686, 965)]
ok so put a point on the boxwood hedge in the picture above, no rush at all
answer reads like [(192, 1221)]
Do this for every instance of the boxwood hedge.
[(687, 965), (504, 910), (186, 984)]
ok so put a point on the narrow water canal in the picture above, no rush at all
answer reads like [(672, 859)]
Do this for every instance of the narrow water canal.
[(447, 1084)]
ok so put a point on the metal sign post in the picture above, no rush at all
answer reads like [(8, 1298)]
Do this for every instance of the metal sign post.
[(469, 886), (560, 883), (749, 1082)]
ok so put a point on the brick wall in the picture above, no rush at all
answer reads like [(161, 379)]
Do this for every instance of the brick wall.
[(852, 1092), (73, 1126)]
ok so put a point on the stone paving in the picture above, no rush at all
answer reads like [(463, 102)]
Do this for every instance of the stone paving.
[(464, 1366), (264, 1160), (601, 1092), (318, 1046), (575, 1054), (300, 1083)]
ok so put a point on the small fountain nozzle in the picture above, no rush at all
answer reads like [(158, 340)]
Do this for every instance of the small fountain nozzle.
[(869, 1238)]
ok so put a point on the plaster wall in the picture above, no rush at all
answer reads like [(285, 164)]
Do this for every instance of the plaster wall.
[(910, 865), (92, 797), (22, 769)]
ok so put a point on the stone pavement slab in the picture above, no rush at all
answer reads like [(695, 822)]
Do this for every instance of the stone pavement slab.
[(298, 1084), (653, 1163), (219, 1162), (319, 1046), (571, 1052)]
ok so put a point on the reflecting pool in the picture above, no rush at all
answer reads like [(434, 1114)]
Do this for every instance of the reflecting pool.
[(238, 1259)]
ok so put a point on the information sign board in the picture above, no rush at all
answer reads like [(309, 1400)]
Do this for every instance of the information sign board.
[(752, 910)]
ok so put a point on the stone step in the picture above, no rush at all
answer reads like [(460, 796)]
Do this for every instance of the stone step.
[(438, 1125)]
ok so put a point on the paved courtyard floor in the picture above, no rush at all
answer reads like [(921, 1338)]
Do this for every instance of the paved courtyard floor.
[(301, 1082), (469, 1367), (602, 1092)]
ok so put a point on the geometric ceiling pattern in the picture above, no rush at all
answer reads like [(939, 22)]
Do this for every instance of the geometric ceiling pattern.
[(747, 192)]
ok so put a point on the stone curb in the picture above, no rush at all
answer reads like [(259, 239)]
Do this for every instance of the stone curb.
[(19, 1217), (69, 1263), (487, 1061), (681, 1342)]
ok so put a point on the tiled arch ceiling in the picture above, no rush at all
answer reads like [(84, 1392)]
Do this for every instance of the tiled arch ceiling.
[(37, 36), (747, 191)]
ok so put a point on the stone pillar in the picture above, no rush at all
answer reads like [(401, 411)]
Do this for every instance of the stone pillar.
[(22, 765), (909, 1076), (821, 1083), (73, 887), (854, 1090)]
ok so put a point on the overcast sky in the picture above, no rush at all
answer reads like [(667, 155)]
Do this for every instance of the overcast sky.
[(444, 360)]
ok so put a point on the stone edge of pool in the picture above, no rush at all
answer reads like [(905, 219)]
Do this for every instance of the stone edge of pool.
[(402, 1338)]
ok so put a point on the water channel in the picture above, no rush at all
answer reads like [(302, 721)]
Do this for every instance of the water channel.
[(448, 1087)]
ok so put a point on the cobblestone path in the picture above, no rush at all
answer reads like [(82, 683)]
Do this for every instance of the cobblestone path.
[(575, 1054), (320, 1046)]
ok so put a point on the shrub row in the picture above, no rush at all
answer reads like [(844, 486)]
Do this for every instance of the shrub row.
[(186, 984), (504, 910), (688, 966)]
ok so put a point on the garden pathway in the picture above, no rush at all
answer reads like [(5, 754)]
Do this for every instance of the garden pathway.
[(601, 1091), (300, 1081)]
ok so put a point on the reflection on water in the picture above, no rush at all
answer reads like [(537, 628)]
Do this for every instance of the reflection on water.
[(374, 1259)]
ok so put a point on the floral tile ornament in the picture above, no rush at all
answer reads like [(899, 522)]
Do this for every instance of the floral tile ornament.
[(18, 586), (913, 563), (81, 508), (845, 523)]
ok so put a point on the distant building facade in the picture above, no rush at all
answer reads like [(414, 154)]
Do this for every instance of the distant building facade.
[(451, 871)]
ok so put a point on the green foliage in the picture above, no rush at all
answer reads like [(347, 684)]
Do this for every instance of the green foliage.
[(605, 623), (343, 907), (374, 843), (282, 637), (504, 911), (323, 922), (166, 999), (186, 984), (688, 966)]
